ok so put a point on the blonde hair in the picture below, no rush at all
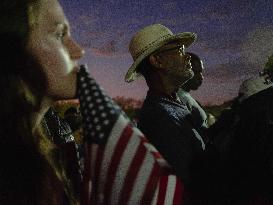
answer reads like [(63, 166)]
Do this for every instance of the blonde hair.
[(33, 154)]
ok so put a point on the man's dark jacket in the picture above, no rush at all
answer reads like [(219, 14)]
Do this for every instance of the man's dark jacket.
[(168, 127)]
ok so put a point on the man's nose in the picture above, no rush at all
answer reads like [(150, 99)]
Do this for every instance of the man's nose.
[(75, 50)]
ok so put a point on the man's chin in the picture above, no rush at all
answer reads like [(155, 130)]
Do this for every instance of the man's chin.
[(186, 79)]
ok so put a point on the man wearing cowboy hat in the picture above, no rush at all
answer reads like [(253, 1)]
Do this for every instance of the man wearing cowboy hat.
[(159, 55)]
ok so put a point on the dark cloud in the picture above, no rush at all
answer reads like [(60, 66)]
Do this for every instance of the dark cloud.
[(107, 50), (230, 71), (111, 48), (234, 36), (258, 46), (115, 46)]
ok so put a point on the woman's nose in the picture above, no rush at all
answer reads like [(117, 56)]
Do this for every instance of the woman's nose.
[(75, 50)]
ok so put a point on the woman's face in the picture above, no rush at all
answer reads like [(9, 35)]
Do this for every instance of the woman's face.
[(51, 44)]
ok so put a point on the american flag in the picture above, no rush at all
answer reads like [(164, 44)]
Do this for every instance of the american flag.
[(121, 167)]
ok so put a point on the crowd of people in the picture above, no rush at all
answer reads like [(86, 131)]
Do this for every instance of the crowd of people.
[(223, 161)]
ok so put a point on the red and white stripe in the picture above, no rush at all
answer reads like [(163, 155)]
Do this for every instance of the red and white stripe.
[(169, 191), (127, 170)]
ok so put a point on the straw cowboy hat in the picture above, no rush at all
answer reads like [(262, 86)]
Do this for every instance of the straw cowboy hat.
[(150, 39)]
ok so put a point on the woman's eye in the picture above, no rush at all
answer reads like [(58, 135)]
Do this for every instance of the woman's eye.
[(61, 32), (60, 35)]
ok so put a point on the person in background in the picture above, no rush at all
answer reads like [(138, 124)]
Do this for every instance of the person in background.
[(38, 66), (243, 137), (199, 116)]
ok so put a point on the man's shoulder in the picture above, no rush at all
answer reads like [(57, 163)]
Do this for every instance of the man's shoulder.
[(182, 94), (187, 99), (162, 110)]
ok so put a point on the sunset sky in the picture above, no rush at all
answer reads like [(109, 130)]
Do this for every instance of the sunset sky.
[(235, 37)]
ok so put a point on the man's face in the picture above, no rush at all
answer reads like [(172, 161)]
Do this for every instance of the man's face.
[(197, 80), (176, 64)]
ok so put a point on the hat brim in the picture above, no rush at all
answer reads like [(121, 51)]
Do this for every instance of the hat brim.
[(254, 85), (185, 38)]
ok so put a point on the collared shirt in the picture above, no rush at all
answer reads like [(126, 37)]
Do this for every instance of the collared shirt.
[(166, 123), (199, 116)]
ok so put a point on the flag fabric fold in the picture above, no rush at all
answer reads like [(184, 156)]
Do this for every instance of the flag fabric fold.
[(121, 166)]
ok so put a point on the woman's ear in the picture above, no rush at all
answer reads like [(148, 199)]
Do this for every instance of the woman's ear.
[(155, 61)]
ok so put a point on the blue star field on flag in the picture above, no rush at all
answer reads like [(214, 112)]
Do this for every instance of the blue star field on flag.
[(99, 111)]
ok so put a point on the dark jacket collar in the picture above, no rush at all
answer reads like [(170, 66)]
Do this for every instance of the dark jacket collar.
[(156, 96)]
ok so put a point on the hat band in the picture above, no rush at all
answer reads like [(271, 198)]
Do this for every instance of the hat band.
[(149, 45)]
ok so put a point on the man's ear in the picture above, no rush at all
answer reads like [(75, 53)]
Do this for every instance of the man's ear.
[(155, 61)]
